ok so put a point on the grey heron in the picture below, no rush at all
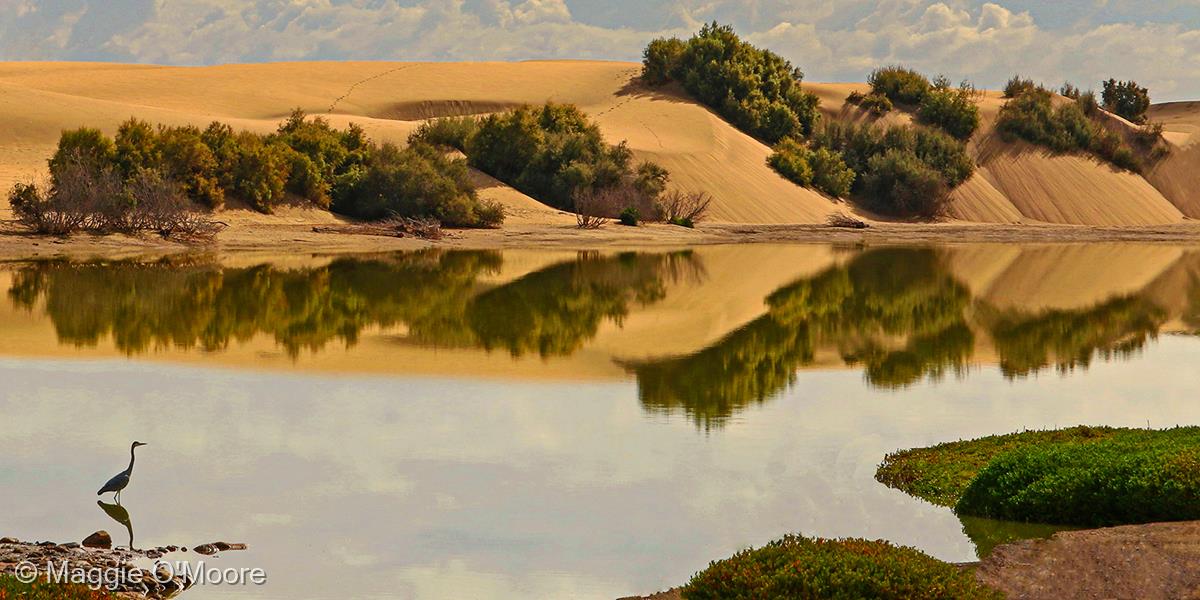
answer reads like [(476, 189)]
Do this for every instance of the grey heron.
[(118, 483)]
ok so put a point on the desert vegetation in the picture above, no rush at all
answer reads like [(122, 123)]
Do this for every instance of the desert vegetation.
[(556, 154), (814, 568), (1080, 476), (156, 177), (899, 171), (11, 589), (938, 103), (756, 90), (1076, 125)]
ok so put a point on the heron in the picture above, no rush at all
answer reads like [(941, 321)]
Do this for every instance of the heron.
[(121, 481)]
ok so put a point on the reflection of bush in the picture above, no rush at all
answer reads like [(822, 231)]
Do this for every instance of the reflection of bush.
[(856, 308), (553, 311), (1072, 338), (143, 306)]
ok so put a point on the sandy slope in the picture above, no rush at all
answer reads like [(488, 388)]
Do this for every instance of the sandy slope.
[(1015, 184), (38, 100)]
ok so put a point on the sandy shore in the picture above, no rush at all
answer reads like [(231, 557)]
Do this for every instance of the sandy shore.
[(292, 231)]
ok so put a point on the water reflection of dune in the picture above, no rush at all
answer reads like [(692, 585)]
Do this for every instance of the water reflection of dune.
[(899, 314)]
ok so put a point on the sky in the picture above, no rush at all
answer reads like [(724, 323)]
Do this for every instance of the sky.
[(1156, 42)]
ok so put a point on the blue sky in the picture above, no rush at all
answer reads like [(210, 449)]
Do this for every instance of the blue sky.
[(1085, 41)]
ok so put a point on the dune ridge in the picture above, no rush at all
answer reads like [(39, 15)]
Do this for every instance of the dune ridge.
[(1015, 183)]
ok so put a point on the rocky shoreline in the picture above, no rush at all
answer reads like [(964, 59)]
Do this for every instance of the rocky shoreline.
[(127, 573)]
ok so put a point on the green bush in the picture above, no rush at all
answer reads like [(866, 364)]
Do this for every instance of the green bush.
[(952, 109), (661, 58), (1127, 98), (305, 157), (1032, 116), (1128, 477), (830, 173), (554, 152), (822, 169), (790, 159), (755, 89), (85, 145), (817, 569), (629, 216), (940, 474), (876, 104), (417, 181), (449, 132), (900, 184), (899, 84), (1018, 85)]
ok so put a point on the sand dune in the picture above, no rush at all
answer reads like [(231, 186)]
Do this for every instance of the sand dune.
[(1015, 183)]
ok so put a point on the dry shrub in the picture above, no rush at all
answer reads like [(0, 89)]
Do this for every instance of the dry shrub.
[(682, 208), (83, 197), (594, 207)]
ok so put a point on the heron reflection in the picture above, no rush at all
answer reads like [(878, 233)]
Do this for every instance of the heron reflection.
[(119, 514)]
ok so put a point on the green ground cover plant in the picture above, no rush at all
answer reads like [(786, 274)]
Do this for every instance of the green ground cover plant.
[(817, 569), (1081, 476)]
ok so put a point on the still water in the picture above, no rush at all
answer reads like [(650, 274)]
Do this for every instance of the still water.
[(549, 424)]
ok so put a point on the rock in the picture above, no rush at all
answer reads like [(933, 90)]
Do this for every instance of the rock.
[(221, 546), (9, 540), (70, 545), (205, 549), (154, 554), (100, 539)]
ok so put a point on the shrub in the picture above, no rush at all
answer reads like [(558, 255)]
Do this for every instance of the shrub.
[(876, 104), (305, 157), (756, 90), (1067, 128), (952, 109), (11, 589), (899, 84), (629, 216), (553, 152), (84, 199), (900, 184), (1018, 85), (1088, 104), (417, 181), (904, 187), (790, 159), (448, 132), (685, 209), (84, 146), (1128, 477), (830, 173), (815, 568), (1127, 98), (1068, 90), (940, 474), (661, 58)]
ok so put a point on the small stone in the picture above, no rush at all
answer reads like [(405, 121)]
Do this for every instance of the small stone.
[(100, 539), (221, 546), (154, 554), (9, 540), (206, 549), (70, 545)]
